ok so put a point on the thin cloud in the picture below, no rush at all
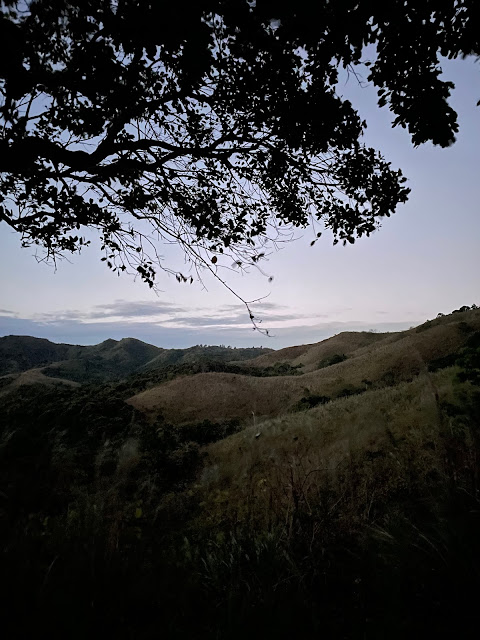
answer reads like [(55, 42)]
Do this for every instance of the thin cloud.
[(262, 306), (235, 331), (240, 320), (125, 309), (171, 315), (118, 309)]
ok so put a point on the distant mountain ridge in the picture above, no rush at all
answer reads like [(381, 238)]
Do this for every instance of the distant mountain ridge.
[(111, 359)]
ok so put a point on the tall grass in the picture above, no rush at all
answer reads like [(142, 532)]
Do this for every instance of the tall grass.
[(355, 519)]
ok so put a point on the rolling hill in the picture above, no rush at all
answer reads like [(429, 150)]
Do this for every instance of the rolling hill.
[(325, 490), (310, 355), (373, 361), (109, 360)]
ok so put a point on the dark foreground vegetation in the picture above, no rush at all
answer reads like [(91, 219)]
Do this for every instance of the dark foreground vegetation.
[(115, 525)]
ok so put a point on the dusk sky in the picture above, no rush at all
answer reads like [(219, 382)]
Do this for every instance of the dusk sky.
[(423, 260)]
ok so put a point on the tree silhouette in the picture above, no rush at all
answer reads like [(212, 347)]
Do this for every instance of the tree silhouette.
[(213, 124)]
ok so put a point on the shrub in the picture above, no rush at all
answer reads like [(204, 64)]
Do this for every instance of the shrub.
[(207, 431), (328, 362), (350, 390), (309, 401), (443, 362)]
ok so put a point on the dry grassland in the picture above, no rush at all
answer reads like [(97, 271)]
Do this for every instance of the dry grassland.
[(374, 360), (299, 455)]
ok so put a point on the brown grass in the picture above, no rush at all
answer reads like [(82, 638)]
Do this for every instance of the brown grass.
[(379, 359), (35, 376), (218, 396), (297, 455), (309, 355)]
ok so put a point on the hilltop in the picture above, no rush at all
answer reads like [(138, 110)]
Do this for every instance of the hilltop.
[(109, 360), (19, 353)]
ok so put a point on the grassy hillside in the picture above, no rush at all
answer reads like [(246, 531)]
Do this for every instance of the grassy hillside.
[(310, 355), (354, 518), (373, 361), (394, 421)]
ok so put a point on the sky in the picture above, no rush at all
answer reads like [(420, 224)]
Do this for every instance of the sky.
[(424, 260)]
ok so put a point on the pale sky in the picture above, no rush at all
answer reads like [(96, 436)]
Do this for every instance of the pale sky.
[(423, 260)]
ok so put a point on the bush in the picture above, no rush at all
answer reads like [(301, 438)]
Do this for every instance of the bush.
[(350, 390), (309, 401), (283, 369), (328, 362), (443, 362), (207, 431)]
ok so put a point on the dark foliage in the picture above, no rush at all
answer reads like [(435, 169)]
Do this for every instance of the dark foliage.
[(109, 360), (465, 308), (469, 359), (335, 359), (207, 431), (350, 390), (309, 401), (19, 353), (211, 125), (443, 362)]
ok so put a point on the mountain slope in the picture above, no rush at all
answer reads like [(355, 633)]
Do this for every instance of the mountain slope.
[(19, 353), (109, 360), (199, 354), (311, 354), (380, 360)]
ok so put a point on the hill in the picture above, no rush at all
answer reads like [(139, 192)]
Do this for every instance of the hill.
[(109, 360), (105, 361), (310, 355), (202, 354), (345, 506), (19, 353), (371, 361)]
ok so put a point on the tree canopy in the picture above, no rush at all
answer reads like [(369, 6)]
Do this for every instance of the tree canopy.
[(213, 124)]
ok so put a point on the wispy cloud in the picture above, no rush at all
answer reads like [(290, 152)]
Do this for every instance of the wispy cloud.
[(125, 309), (173, 316), (186, 331), (239, 320), (119, 309)]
